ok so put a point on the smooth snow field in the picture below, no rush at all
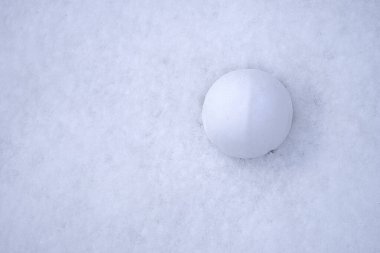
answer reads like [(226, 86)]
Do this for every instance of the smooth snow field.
[(102, 147)]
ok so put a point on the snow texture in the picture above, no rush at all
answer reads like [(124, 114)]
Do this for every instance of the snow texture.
[(101, 141)]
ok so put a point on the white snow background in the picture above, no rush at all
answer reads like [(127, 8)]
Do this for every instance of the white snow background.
[(101, 141)]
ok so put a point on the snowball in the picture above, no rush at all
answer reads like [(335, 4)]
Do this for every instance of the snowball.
[(247, 113)]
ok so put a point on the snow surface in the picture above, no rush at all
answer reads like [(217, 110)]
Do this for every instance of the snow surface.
[(101, 141)]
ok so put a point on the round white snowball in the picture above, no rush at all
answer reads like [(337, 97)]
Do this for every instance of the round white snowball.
[(247, 113)]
